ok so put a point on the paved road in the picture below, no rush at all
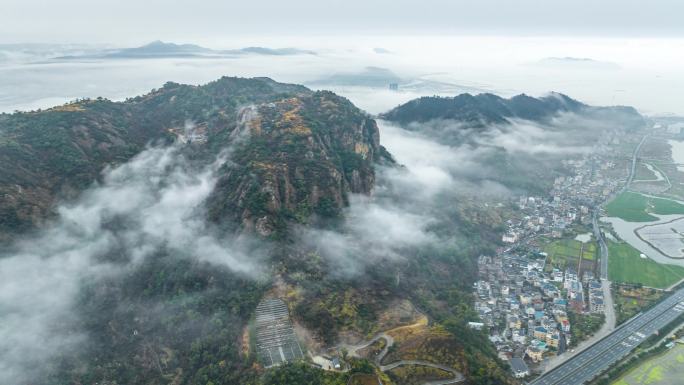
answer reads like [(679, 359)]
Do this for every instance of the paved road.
[(594, 360), (353, 350), (603, 249), (635, 156)]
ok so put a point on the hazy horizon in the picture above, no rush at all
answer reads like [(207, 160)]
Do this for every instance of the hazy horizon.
[(129, 22), (595, 70), (635, 50)]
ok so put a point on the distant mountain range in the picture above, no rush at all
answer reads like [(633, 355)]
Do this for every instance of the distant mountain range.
[(160, 49)]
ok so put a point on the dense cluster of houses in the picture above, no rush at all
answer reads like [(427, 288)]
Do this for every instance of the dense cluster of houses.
[(570, 200), (526, 309), (524, 303)]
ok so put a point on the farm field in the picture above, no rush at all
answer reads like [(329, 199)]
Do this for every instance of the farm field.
[(665, 369), (564, 252), (626, 266), (634, 207), (589, 252)]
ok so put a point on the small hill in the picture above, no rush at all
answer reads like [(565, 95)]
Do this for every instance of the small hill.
[(160, 49)]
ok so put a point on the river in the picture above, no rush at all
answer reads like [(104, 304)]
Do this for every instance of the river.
[(625, 231)]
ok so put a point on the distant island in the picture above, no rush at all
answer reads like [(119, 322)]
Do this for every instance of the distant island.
[(160, 49)]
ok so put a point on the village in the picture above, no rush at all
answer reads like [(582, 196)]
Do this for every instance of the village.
[(529, 291)]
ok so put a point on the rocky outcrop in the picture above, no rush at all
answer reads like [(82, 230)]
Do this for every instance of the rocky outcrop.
[(299, 160)]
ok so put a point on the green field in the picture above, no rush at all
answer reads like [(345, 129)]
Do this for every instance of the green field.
[(567, 251), (626, 266), (589, 252), (665, 369), (634, 207)]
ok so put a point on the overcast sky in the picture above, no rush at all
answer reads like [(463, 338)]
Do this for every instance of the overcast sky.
[(138, 21)]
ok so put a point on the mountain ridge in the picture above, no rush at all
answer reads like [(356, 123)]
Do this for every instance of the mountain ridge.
[(55, 153), (485, 109)]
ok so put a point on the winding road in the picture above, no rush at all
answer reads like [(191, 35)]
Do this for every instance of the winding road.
[(353, 350)]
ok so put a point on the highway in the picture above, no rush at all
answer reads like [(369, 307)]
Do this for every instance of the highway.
[(597, 358)]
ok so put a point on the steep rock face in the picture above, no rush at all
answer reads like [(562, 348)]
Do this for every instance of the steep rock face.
[(301, 151), (295, 159)]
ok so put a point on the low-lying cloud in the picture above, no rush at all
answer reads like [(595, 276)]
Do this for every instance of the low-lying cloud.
[(439, 165), (534, 138), (151, 203)]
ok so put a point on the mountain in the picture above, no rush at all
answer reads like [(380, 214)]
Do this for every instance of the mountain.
[(521, 141), (53, 154), (482, 109), (182, 312), (160, 49)]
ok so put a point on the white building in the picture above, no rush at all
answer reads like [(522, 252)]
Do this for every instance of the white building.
[(509, 238)]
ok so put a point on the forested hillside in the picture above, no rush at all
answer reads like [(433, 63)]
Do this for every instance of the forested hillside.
[(167, 295)]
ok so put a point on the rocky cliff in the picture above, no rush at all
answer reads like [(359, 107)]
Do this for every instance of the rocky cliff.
[(295, 159)]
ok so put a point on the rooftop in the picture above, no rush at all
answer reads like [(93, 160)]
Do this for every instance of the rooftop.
[(519, 366)]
